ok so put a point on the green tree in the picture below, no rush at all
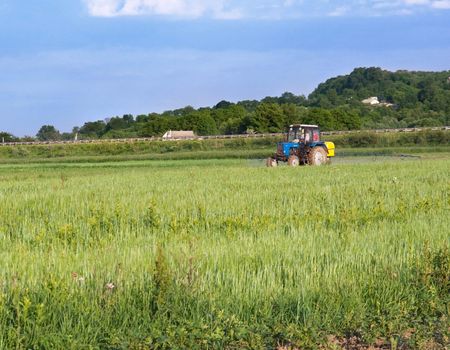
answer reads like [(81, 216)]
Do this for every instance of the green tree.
[(200, 122), (228, 118), (93, 129), (293, 113), (48, 133), (7, 137), (290, 98), (322, 117), (269, 117), (67, 136), (345, 118), (156, 126), (118, 123), (249, 105), (142, 118), (223, 104)]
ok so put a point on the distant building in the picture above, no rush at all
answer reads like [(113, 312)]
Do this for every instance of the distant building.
[(178, 135), (371, 101)]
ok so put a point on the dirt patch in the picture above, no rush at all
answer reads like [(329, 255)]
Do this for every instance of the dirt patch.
[(356, 343)]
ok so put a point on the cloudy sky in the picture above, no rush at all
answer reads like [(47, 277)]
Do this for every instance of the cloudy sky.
[(65, 62)]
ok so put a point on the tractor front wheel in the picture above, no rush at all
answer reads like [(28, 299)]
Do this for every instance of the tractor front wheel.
[(317, 156), (271, 163), (293, 161)]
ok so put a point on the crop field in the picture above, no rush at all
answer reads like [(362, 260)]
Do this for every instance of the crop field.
[(423, 142), (225, 254)]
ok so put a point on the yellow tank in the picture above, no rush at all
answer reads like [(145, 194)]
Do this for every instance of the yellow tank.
[(330, 146)]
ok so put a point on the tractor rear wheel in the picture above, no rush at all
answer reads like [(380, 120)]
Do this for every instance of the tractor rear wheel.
[(271, 163), (317, 156), (293, 161)]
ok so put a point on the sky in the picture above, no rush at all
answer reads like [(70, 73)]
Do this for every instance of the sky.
[(66, 62)]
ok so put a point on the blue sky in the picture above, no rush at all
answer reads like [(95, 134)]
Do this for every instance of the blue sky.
[(65, 62)]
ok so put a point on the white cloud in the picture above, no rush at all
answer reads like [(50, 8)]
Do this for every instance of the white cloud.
[(416, 2), (441, 4), (406, 7), (230, 14), (102, 8), (436, 4), (261, 9), (164, 7), (176, 8), (340, 11)]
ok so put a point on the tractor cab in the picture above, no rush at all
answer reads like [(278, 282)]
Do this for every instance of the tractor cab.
[(303, 133), (302, 145)]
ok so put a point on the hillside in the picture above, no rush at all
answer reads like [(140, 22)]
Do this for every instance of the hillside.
[(407, 99), (417, 98)]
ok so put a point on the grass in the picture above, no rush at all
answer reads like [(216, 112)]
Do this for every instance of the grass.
[(350, 144), (215, 254), (226, 154)]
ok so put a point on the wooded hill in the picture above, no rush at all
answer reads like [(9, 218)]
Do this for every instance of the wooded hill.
[(407, 99)]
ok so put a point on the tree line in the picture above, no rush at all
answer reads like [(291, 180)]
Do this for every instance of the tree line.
[(411, 99)]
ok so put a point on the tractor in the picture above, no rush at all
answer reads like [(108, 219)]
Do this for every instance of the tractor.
[(302, 146)]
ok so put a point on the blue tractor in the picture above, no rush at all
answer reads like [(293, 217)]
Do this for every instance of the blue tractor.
[(302, 146)]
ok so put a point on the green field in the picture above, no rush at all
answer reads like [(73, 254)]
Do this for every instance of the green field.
[(225, 254), (364, 143)]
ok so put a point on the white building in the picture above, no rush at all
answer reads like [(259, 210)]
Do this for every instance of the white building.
[(374, 101), (178, 135), (371, 101)]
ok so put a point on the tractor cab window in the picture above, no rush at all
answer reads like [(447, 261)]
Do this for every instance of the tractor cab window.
[(312, 135), (308, 136), (294, 135), (316, 135)]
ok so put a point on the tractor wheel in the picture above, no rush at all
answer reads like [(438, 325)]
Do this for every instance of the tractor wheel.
[(293, 161), (317, 156), (271, 163)]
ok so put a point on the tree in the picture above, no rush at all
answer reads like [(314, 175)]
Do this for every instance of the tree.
[(7, 137), (269, 118), (345, 119), (67, 136), (182, 111), (231, 126), (292, 113), (142, 118), (93, 129), (321, 117), (48, 133), (223, 104), (118, 123), (156, 126), (249, 105), (290, 98), (201, 122), (224, 116)]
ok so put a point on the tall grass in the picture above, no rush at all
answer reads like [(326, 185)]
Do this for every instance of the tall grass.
[(368, 139), (208, 149), (217, 254)]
